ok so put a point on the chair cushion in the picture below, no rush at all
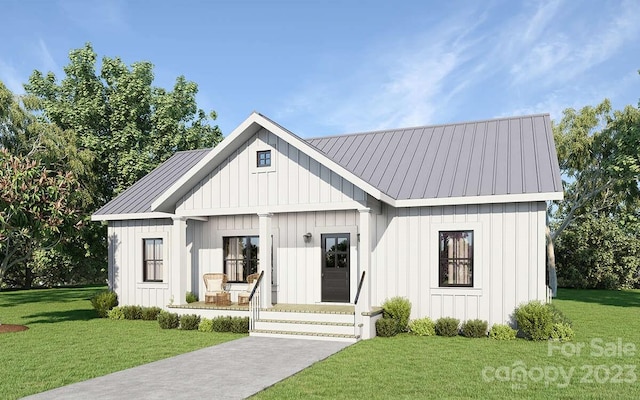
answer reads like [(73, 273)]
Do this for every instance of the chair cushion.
[(250, 286), (214, 284)]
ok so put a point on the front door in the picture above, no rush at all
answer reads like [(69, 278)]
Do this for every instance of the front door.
[(335, 267)]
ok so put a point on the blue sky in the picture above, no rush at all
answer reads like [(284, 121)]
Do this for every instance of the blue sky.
[(330, 67)]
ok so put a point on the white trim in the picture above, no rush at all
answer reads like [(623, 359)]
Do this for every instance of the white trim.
[(126, 217), (255, 149), (478, 267), (283, 208), (139, 264), (487, 199)]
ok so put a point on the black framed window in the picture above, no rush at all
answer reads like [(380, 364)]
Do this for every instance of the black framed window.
[(152, 260), (456, 258), (264, 158), (240, 257)]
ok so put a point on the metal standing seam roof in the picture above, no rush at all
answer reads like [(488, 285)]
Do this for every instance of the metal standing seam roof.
[(493, 157), (138, 198)]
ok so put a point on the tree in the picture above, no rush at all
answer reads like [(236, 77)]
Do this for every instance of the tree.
[(35, 203), (600, 161)]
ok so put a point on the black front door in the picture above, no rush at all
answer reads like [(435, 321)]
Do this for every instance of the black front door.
[(335, 267)]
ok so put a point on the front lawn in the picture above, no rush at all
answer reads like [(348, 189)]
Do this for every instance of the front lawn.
[(607, 325), (67, 343)]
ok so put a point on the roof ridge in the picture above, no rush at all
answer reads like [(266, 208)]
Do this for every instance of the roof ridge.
[(428, 126)]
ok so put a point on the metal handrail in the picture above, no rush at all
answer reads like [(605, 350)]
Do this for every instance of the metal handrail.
[(359, 288), (255, 287)]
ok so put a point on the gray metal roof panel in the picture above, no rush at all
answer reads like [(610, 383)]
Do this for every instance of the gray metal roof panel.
[(138, 198)]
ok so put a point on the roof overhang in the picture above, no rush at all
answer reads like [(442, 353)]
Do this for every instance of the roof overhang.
[(132, 216)]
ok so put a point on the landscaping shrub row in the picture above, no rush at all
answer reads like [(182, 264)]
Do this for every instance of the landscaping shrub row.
[(225, 324), (134, 312), (537, 321)]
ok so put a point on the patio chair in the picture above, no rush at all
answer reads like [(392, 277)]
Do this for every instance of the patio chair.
[(243, 297), (215, 283)]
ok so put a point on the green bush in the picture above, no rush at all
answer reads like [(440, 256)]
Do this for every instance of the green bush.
[(191, 297), (562, 332), (115, 313), (557, 315), (221, 324), (502, 332), (150, 313), (447, 326), (535, 320), (399, 310), (474, 328), (386, 327), (132, 312), (206, 325), (422, 327), (240, 325), (168, 320), (104, 301), (189, 322)]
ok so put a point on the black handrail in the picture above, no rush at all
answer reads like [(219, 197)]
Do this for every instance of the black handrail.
[(256, 286), (359, 288)]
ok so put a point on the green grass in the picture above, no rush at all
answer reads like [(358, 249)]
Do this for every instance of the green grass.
[(67, 343), (409, 367)]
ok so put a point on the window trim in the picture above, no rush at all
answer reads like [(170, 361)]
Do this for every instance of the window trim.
[(478, 256), (145, 259), (455, 260), (259, 153), (225, 260), (139, 276)]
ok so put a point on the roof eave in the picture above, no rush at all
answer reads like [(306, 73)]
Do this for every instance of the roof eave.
[(486, 199)]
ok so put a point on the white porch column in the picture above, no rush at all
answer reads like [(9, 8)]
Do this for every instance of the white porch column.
[(364, 301), (178, 266), (265, 258)]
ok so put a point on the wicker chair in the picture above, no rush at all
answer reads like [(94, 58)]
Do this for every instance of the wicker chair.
[(215, 283), (243, 297)]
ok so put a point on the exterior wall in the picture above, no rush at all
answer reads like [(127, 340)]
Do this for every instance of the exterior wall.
[(239, 187), (125, 261), (296, 264), (509, 259)]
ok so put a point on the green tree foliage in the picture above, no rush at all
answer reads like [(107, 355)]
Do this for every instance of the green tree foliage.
[(595, 228), (35, 204)]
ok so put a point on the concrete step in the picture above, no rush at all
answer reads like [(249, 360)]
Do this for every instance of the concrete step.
[(344, 328), (305, 335), (307, 316)]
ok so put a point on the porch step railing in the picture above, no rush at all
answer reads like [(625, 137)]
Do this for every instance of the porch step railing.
[(357, 315), (254, 303)]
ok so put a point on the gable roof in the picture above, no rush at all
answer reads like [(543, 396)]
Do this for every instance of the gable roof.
[(491, 161), (507, 156)]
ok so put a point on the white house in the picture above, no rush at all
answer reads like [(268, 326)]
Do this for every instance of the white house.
[(451, 217)]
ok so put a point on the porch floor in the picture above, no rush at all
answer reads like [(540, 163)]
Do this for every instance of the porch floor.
[(283, 307), (201, 305)]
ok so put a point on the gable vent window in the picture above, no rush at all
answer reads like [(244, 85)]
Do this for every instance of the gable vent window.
[(264, 158)]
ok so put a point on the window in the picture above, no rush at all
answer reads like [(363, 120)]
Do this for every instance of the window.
[(152, 260), (456, 258), (264, 158), (240, 257)]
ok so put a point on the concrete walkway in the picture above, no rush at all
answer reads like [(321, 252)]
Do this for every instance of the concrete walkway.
[(231, 370)]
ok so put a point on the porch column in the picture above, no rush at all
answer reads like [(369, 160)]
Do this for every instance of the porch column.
[(363, 324), (178, 283), (264, 258)]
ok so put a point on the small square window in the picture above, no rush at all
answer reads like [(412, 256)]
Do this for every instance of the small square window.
[(264, 158)]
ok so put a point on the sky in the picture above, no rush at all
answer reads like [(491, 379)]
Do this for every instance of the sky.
[(329, 67)]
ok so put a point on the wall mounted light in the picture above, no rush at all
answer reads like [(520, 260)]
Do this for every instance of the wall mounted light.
[(307, 237)]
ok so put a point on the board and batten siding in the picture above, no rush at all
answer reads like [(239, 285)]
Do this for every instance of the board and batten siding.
[(296, 264), (125, 261), (509, 259), (292, 179)]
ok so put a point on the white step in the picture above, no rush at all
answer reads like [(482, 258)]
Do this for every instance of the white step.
[(307, 316), (305, 336), (305, 326)]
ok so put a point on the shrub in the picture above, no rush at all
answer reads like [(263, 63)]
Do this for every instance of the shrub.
[(386, 327), (502, 332), (557, 315), (206, 325), (150, 313), (104, 301), (447, 326), (474, 328), (115, 313), (535, 320), (422, 327), (132, 312), (191, 297), (562, 332), (168, 320), (399, 310), (240, 325), (221, 324), (189, 322)]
